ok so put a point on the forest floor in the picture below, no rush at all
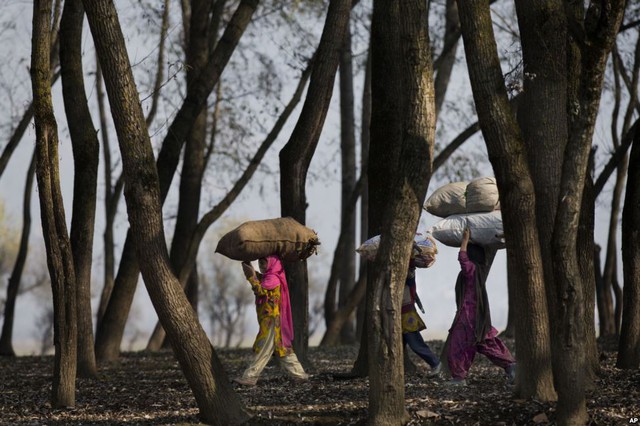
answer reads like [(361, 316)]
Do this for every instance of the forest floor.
[(149, 389)]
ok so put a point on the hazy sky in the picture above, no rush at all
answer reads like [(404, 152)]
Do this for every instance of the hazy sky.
[(259, 201)]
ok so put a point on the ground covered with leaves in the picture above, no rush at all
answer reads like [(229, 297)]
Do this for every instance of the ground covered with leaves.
[(149, 389)]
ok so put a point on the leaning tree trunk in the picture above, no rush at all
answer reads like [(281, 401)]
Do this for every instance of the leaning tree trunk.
[(517, 198), (6, 339), (86, 152), (111, 329), (296, 156), (217, 401), (629, 345), (192, 163), (54, 228), (401, 64)]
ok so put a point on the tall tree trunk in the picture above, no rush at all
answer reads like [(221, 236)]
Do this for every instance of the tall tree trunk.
[(6, 339), (568, 327), (110, 331), (364, 199), (111, 197), (509, 160), (585, 249), (401, 64), (447, 59), (59, 255), (629, 343), (217, 401), (348, 155), (86, 151), (193, 161), (296, 156)]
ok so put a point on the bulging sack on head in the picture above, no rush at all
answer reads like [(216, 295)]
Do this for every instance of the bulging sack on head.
[(447, 200), (284, 237), (482, 195), (477, 196), (424, 250), (486, 229)]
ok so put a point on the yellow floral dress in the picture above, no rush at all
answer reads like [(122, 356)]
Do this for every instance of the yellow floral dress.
[(268, 310), (411, 321)]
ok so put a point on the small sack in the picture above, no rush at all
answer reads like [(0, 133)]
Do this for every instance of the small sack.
[(486, 229), (284, 237), (482, 195), (424, 250), (447, 200)]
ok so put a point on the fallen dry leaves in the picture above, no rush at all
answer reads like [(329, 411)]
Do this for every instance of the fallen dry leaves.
[(149, 389)]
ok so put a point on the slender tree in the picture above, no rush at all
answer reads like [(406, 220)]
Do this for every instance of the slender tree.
[(110, 330), (56, 237), (629, 345), (217, 401), (296, 155), (86, 151), (517, 198), (6, 339), (348, 183)]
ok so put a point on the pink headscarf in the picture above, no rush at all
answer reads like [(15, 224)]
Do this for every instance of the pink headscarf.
[(273, 277)]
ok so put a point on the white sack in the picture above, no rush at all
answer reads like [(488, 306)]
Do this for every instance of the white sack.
[(447, 200), (482, 195), (486, 229)]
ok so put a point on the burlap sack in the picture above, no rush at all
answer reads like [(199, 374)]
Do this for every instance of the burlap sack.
[(447, 200), (482, 195), (284, 237), (486, 229)]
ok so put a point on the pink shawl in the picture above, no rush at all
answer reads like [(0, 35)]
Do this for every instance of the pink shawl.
[(273, 277)]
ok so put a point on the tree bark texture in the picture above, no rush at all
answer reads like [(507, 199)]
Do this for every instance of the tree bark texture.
[(192, 162), (296, 156), (86, 152), (54, 228), (401, 64), (629, 344), (508, 157), (109, 333), (217, 402), (568, 328), (6, 339)]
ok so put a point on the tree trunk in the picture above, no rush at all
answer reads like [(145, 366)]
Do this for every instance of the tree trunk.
[(401, 64), (111, 197), (86, 152), (447, 58), (585, 250), (364, 176), (193, 161), (348, 154), (568, 326), (217, 401), (629, 344), (6, 339), (54, 228), (517, 198), (296, 156), (110, 331)]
